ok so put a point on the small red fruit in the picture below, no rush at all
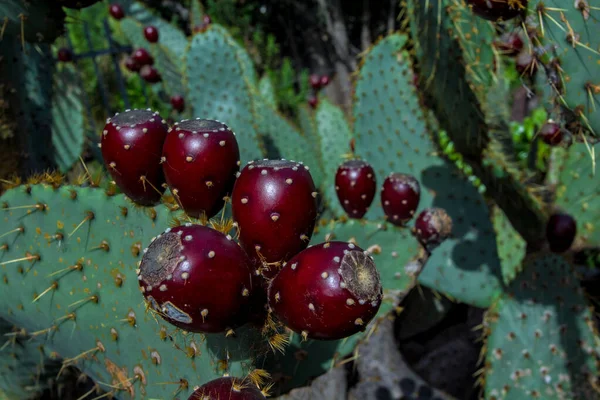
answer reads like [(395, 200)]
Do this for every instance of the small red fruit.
[(151, 34), (495, 10), (200, 160), (560, 232), (355, 185), (324, 81), (178, 103), (432, 227), (509, 44), (313, 101), (150, 74), (315, 81), (526, 63), (400, 196), (116, 11), (131, 147), (142, 57), (65, 55), (551, 133), (275, 207), (197, 279), (329, 291), (227, 389), (132, 65)]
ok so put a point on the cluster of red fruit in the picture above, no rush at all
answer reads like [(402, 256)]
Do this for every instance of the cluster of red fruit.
[(317, 82), (200, 279)]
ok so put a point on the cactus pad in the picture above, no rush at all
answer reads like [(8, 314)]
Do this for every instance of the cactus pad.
[(511, 246)]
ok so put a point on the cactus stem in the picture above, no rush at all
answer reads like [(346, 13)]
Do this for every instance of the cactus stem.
[(54, 286), (27, 258)]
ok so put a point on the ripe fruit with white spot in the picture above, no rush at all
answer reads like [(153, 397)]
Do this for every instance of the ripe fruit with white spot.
[(227, 389), (400, 196), (355, 185), (132, 144), (196, 278), (274, 204), (329, 291), (200, 160), (432, 227)]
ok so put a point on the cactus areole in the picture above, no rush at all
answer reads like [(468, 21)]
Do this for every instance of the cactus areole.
[(355, 185), (328, 291), (131, 147), (196, 278), (200, 160), (227, 389)]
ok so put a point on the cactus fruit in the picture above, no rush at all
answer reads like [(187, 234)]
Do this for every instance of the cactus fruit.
[(313, 101), (196, 278), (551, 133), (324, 81), (64, 55), (497, 10), (132, 144), (355, 185), (116, 11), (432, 227), (315, 81), (143, 57), (200, 159), (151, 34), (329, 291), (275, 208), (150, 74), (560, 232), (132, 65), (178, 103), (400, 196), (227, 388)]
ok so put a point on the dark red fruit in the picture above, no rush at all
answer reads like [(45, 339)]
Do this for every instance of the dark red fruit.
[(400, 196), (150, 74), (64, 55), (178, 103), (495, 10), (328, 291), (116, 11), (76, 4), (355, 185), (313, 101), (131, 147), (227, 389), (275, 207), (560, 232), (510, 44), (432, 227), (324, 81), (196, 278), (200, 160), (526, 63), (142, 57), (315, 81), (551, 133), (151, 34), (132, 65)]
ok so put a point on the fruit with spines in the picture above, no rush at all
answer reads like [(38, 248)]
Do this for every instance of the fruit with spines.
[(143, 57), (355, 185), (132, 144), (150, 74), (274, 204), (497, 10), (329, 291), (432, 226), (196, 278), (227, 388), (64, 55), (116, 11), (560, 232), (200, 160), (400, 196), (551, 133), (151, 34), (178, 103)]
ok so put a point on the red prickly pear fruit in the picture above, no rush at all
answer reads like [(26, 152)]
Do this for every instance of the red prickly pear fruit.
[(227, 389), (551, 133), (131, 147), (329, 291), (64, 55), (315, 81), (313, 102), (151, 34), (496, 10), (132, 65), (274, 203), (400, 196), (324, 81), (116, 11), (526, 63), (200, 160), (509, 44), (142, 57), (560, 232), (355, 185), (150, 74), (432, 227), (196, 278), (178, 103)]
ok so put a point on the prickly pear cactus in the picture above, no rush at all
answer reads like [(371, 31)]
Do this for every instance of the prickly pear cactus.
[(38, 21)]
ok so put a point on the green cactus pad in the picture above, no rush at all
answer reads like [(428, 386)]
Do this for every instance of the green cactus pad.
[(578, 192), (511, 246), (391, 135), (570, 29), (267, 91), (218, 88), (541, 338), (99, 309)]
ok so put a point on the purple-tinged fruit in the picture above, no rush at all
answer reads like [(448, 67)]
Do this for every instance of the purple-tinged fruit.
[(560, 232), (551, 133), (116, 11), (200, 160), (355, 185), (178, 103), (64, 55), (497, 10), (400, 196), (315, 81), (151, 34), (132, 144), (329, 291), (143, 57), (227, 389), (150, 74), (313, 101), (432, 227), (132, 65), (324, 81), (196, 278)]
